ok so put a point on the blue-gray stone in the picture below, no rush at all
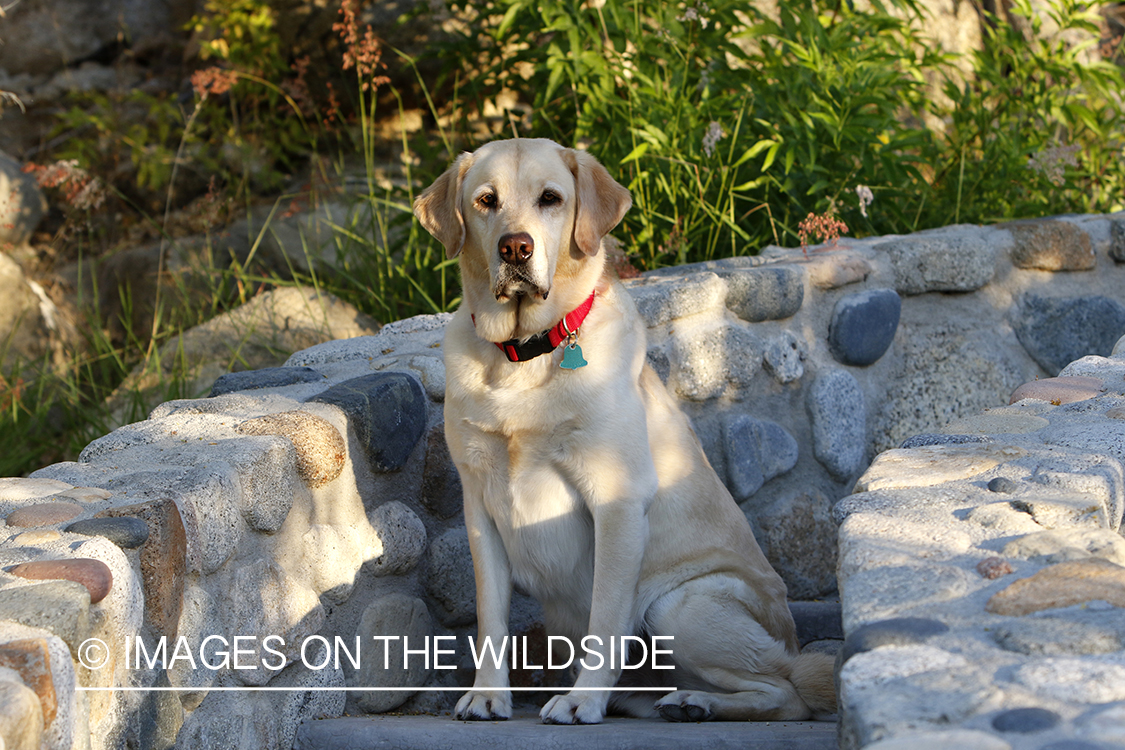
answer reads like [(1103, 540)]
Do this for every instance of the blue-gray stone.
[(127, 532), (839, 423), (1024, 720), (1117, 240), (267, 377), (1003, 485), (863, 326), (1057, 331), (898, 631), (387, 410), (1073, 745), (932, 438), (764, 293), (756, 451)]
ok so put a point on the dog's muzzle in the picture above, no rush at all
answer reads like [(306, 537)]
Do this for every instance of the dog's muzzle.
[(515, 277)]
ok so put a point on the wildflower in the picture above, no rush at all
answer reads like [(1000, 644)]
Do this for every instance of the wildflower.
[(1052, 161), (696, 14), (213, 81), (714, 134), (825, 227), (866, 198), (362, 54)]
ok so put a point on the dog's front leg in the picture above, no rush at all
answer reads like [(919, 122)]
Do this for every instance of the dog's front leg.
[(490, 698), (620, 530)]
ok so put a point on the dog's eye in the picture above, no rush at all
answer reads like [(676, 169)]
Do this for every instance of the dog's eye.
[(549, 198), (488, 200)]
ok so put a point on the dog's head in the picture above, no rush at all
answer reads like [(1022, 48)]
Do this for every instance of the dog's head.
[(527, 217)]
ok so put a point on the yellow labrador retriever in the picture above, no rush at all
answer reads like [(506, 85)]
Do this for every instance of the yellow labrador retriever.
[(584, 483)]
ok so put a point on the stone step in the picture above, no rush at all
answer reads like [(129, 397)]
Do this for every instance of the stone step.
[(524, 730)]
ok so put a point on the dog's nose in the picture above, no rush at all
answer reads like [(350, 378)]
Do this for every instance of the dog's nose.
[(516, 248)]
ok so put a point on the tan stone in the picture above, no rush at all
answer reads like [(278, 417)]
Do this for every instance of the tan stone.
[(32, 660), (21, 717), (321, 450), (43, 514), (1051, 245), (93, 574), (1117, 412), (1061, 390), (36, 536), (932, 465), (1062, 585), (86, 494)]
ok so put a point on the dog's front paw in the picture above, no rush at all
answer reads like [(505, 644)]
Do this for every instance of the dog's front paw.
[(485, 705), (574, 708), (684, 705)]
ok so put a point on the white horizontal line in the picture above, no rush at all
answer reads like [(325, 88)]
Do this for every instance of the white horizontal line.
[(367, 689)]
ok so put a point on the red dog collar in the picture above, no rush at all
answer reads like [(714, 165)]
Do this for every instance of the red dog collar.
[(547, 341)]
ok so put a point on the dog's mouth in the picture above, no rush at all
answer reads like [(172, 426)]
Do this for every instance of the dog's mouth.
[(515, 283)]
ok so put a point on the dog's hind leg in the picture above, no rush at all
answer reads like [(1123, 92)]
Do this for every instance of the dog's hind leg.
[(728, 668)]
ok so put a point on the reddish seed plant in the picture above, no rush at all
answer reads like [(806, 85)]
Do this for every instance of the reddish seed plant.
[(823, 227), (213, 81), (363, 54), (79, 188)]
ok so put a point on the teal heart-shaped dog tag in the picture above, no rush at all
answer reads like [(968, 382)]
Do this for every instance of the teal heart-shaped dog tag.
[(572, 357)]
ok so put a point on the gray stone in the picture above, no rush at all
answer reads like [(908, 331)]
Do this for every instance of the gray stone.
[(125, 532), (897, 631), (450, 579), (1057, 331), (1025, 720), (765, 293), (955, 259), (1002, 485), (1067, 631), (1088, 679), (756, 451), (262, 600), (785, 356), (1117, 240), (713, 360), (919, 441), (1073, 745), (267, 377), (839, 423), (22, 204), (387, 625), (403, 536), (863, 326), (61, 607), (266, 468), (388, 413), (661, 299), (326, 697), (210, 497), (441, 484), (817, 621), (159, 717), (880, 592), (934, 362)]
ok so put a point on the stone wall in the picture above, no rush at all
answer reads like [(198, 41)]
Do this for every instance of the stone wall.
[(317, 501)]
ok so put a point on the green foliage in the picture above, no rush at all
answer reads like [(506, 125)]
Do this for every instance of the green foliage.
[(808, 104)]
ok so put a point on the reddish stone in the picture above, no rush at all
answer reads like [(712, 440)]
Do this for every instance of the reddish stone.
[(95, 575), (163, 561), (993, 567), (1063, 390), (31, 659), (43, 514), (1062, 585)]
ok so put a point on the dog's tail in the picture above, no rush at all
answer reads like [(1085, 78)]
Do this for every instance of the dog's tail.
[(812, 675)]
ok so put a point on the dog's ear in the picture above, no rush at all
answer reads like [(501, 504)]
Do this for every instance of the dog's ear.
[(602, 202), (438, 208)]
